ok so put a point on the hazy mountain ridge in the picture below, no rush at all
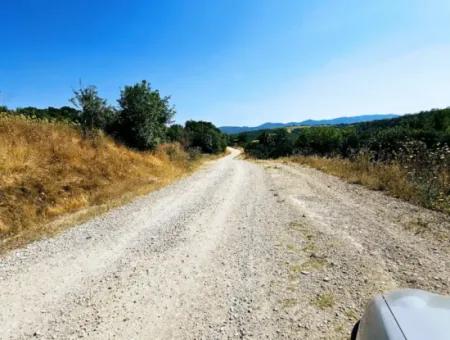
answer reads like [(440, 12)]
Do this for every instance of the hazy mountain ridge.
[(308, 122)]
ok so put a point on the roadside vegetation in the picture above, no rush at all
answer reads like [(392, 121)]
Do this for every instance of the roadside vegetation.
[(408, 156), (57, 161)]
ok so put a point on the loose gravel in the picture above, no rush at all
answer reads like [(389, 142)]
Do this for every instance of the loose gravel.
[(238, 250)]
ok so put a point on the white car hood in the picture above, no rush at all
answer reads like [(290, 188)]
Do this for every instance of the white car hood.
[(419, 314)]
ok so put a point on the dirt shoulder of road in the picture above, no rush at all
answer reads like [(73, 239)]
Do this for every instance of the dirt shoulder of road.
[(348, 244)]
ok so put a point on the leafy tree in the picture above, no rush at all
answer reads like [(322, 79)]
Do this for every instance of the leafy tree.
[(271, 144), (176, 133), (242, 139), (144, 115), (205, 136), (94, 111), (320, 140)]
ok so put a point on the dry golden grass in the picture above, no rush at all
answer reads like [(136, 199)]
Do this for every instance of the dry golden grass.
[(376, 176), (47, 170)]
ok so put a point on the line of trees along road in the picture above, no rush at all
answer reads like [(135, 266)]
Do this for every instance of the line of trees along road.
[(142, 119), (384, 140)]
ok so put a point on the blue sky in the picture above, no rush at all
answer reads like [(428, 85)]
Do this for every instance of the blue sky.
[(232, 62)]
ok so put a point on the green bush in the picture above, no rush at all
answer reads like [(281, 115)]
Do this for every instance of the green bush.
[(320, 140), (143, 117), (94, 111), (176, 133), (271, 144), (384, 139), (205, 136)]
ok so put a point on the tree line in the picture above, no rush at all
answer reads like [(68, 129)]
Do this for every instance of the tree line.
[(415, 147), (384, 140), (142, 119)]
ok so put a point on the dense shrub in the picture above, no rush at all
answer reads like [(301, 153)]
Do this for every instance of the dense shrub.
[(429, 170), (383, 139), (271, 144), (176, 133), (144, 116), (205, 136), (321, 140)]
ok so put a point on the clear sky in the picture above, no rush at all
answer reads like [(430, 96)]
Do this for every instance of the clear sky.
[(232, 62)]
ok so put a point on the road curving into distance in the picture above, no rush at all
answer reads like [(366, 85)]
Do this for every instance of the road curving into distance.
[(239, 249)]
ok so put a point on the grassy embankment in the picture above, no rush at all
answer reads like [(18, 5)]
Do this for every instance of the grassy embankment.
[(399, 181), (51, 177)]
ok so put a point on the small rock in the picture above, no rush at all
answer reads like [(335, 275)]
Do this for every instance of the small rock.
[(326, 279), (304, 272)]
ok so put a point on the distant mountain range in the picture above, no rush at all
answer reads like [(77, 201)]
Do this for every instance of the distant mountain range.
[(309, 122)]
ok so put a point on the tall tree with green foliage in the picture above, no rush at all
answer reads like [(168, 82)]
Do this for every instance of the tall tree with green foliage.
[(94, 113), (144, 116)]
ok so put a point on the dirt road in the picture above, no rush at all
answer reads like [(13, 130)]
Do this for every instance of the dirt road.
[(237, 250)]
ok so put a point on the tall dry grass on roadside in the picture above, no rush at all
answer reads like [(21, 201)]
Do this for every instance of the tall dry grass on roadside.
[(417, 182), (47, 169)]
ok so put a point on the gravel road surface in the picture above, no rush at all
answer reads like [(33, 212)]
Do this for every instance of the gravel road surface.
[(238, 250)]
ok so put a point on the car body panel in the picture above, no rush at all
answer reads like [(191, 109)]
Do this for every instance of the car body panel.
[(420, 314), (409, 314), (378, 322)]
